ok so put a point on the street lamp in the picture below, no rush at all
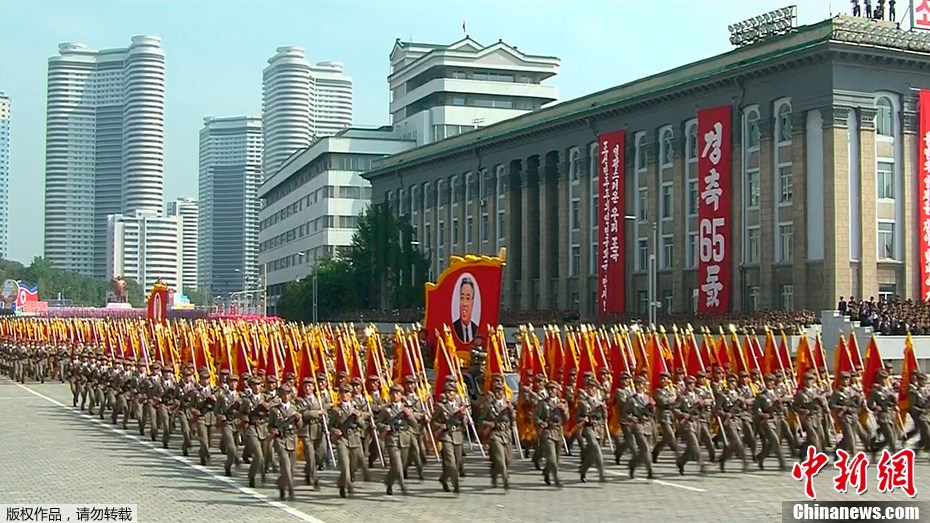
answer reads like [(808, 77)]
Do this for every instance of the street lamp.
[(652, 270)]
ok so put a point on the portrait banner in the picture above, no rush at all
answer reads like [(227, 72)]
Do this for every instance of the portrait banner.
[(714, 197), (923, 192), (466, 299), (157, 306), (611, 222)]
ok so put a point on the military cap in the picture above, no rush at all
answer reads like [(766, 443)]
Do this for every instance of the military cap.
[(345, 388), (189, 366), (189, 371), (810, 375), (499, 387), (743, 374), (664, 374), (255, 381), (285, 389), (920, 375), (449, 387), (844, 374), (701, 374), (755, 372), (769, 377), (204, 373), (603, 371), (553, 385), (289, 376), (411, 379), (499, 377), (356, 381), (624, 375), (306, 380), (690, 379), (232, 378), (731, 376), (156, 365), (680, 370), (374, 377), (224, 372), (343, 374), (167, 369), (541, 378), (881, 373), (450, 379), (271, 378), (715, 366), (397, 388), (573, 372), (639, 380), (321, 377), (261, 373)]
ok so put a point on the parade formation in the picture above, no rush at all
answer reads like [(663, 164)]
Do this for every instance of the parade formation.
[(260, 398)]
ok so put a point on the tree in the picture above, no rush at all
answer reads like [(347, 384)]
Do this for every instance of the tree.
[(196, 297), (335, 293)]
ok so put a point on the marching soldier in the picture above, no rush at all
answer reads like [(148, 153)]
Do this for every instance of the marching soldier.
[(783, 389), (204, 415), (919, 398), (808, 406), (766, 411), (228, 405), (846, 403), (395, 422), (417, 455), (666, 398), (284, 419), (499, 418), (747, 396), (534, 397), (121, 384), (375, 402), (730, 408), (254, 414), (360, 401), (621, 395), (689, 412), (271, 398), (311, 429), (591, 415), (449, 419), (638, 414), (884, 404), (347, 438), (165, 401), (184, 408), (550, 416)]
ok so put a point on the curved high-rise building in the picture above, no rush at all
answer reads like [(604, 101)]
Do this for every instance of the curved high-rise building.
[(302, 102), (104, 146)]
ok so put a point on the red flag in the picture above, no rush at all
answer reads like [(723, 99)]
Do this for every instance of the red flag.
[(873, 363), (854, 351), (656, 361), (805, 362), (695, 360), (907, 372), (842, 362), (444, 366)]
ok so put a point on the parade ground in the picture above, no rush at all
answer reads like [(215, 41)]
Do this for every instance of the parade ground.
[(54, 454)]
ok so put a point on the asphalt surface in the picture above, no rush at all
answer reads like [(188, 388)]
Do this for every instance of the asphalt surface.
[(53, 453)]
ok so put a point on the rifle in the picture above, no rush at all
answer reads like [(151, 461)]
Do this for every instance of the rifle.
[(326, 436), (374, 430)]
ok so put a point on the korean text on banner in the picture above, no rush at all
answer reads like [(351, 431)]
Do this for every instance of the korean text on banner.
[(610, 275), (714, 188), (921, 14), (924, 192)]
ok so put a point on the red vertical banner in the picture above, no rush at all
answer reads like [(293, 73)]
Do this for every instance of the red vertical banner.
[(715, 193), (158, 303), (611, 222), (924, 193)]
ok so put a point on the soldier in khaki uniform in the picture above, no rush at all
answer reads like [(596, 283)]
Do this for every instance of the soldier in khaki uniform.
[(254, 414), (347, 438), (184, 408), (666, 397), (766, 413), (228, 404), (620, 397), (285, 418), (204, 415), (311, 429), (638, 414), (591, 414), (808, 406), (883, 403), (449, 420), (499, 418), (688, 411), (729, 410), (396, 421), (374, 445), (168, 391), (550, 415), (919, 399), (846, 403), (417, 455)]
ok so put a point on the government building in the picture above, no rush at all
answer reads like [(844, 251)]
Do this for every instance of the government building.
[(823, 192)]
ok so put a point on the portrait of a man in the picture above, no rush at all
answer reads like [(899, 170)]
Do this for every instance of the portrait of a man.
[(466, 309)]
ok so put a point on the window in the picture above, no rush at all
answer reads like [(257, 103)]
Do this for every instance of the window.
[(667, 201), (643, 301), (886, 241), (752, 245), (469, 226), (642, 258), (455, 231), (787, 297), (694, 300), (485, 227), (469, 189), (500, 181), (442, 234), (458, 100), (453, 187), (576, 214), (784, 123), (692, 142), (592, 261), (884, 182), (786, 241), (752, 188), (754, 298), (501, 225), (667, 151), (887, 291), (785, 184), (641, 151), (692, 250), (667, 252), (642, 203), (574, 165), (754, 135), (692, 198), (667, 301), (575, 264), (884, 120)]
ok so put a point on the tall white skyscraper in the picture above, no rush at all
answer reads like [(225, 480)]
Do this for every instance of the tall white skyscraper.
[(145, 247), (186, 209), (4, 174), (301, 103), (104, 146), (230, 174)]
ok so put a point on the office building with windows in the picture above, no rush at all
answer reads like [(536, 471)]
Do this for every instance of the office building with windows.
[(186, 210), (311, 204), (302, 102), (145, 247), (5, 107), (104, 148), (227, 232), (438, 91), (824, 178)]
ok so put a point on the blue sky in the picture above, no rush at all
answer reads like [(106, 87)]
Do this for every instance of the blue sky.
[(216, 50)]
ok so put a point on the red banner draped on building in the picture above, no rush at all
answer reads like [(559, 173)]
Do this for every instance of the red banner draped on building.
[(611, 222), (715, 194), (924, 193)]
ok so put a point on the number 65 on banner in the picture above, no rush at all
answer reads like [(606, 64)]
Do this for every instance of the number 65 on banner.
[(713, 243)]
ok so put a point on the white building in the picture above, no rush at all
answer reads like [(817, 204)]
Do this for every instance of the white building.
[(230, 174), (104, 146), (186, 209), (144, 247), (439, 91), (310, 205), (4, 174), (301, 102)]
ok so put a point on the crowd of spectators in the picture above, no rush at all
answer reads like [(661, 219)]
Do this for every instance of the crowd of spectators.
[(889, 317)]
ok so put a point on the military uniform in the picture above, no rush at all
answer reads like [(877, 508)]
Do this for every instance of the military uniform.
[(638, 415), (228, 404), (550, 415), (347, 439), (396, 421), (591, 416), (254, 413), (284, 419), (499, 417), (919, 399), (620, 397), (767, 413), (449, 419), (808, 406), (204, 415), (689, 411), (730, 409), (311, 430), (884, 404), (846, 403), (665, 399)]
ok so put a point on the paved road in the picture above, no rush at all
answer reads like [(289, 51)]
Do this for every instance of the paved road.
[(51, 453)]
